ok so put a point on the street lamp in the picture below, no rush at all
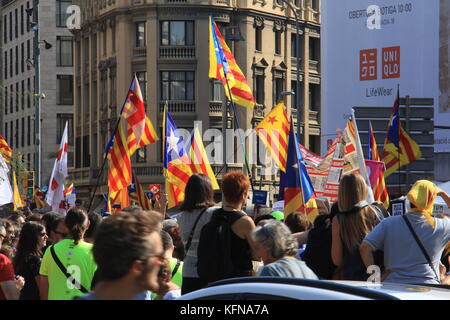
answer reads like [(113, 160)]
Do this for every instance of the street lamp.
[(297, 90)]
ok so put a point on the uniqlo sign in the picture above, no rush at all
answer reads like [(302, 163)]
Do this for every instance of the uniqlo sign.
[(391, 62), (368, 64)]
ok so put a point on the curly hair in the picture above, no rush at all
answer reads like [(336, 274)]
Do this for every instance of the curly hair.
[(122, 239)]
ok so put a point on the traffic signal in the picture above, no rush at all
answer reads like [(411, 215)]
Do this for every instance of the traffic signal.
[(27, 179)]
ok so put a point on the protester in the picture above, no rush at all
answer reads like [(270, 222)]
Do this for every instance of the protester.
[(355, 219), (36, 217), (298, 222), (226, 246), (73, 252), (56, 229), (176, 266), (167, 290), (404, 259), (10, 286), (317, 254), (196, 211), (28, 258), (17, 218), (94, 222), (128, 252), (171, 227), (278, 248)]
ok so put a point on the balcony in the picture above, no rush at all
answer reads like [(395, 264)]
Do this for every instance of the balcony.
[(140, 52), (177, 52), (314, 117), (314, 66), (178, 106), (215, 109), (294, 63)]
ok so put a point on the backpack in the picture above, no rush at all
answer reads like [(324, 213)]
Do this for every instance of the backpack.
[(317, 254), (214, 260)]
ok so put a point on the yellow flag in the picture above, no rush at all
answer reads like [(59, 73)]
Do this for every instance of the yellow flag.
[(17, 199)]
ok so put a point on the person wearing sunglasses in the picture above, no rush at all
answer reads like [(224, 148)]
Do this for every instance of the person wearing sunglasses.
[(56, 228), (128, 252), (28, 258), (10, 286)]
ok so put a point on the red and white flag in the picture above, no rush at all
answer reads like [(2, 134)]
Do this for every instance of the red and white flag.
[(55, 194)]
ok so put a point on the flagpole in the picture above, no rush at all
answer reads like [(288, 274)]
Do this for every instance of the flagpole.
[(105, 157), (398, 149), (240, 136), (300, 171)]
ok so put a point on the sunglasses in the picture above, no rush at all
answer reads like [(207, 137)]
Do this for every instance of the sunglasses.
[(43, 234)]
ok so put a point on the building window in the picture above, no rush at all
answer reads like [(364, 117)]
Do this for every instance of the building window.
[(16, 134), (6, 64), (28, 131), (315, 5), (5, 28), (64, 49), (11, 134), (61, 12), (142, 79), (10, 27), (177, 33), (294, 44), (314, 97), (21, 20), (22, 95), (6, 100), (29, 93), (78, 152), (61, 119), (259, 88), (11, 99), (6, 132), (11, 69), (65, 89), (23, 133), (314, 49), (258, 38), (277, 42), (28, 53), (140, 34), (113, 37), (177, 85), (28, 17), (217, 92), (16, 23), (17, 60), (22, 61), (86, 155), (17, 97), (140, 156)]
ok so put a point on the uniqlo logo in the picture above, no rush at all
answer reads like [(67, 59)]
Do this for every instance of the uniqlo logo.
[(368, 64), (391, 62)]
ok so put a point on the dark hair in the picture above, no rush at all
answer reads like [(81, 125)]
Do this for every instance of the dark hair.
[(132, 209), (28, 244), (94, 222), (298, 222), (198, 194), (51, 220), (15, 216), (122, 239), (234, 185), (36, 217), (264, 217), (166, 239), (76, 221)]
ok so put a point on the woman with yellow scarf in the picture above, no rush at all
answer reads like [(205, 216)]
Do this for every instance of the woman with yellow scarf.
[(404, 260)]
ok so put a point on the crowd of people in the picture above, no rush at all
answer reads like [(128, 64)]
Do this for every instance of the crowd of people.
[(146, 255)]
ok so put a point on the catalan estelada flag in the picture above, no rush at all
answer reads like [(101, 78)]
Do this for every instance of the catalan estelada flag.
[(273, 131), (133, 131), (223, 66), (199, 159), (5, 150), (399, 149), (69, 190), (119, 200), (18, 203), (377, 182), (298, 189), (177, 164)]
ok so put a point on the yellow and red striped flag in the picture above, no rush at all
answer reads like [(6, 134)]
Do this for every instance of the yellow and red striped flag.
[(399, 149), (119, 200), (5, 150), (223, 66), (133, 131), (379, 188), (143, 200), (199, 159), (273, 131)]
